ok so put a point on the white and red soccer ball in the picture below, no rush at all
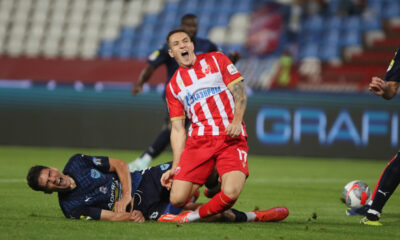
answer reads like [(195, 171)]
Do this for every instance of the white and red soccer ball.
[(356, 194)]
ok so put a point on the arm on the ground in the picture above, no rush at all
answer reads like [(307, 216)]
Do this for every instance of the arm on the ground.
[(135, 216)]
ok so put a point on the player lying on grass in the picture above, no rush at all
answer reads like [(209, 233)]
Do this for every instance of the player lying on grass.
[(102, 188)]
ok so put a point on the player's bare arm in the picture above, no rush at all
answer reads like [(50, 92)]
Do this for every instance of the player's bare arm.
[(144, 77), (134, 216), (178, 139), (386, 90), (238, 91), (122, 170)]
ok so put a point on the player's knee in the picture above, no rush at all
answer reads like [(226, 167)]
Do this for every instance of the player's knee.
[(232, 192), (177, 201)]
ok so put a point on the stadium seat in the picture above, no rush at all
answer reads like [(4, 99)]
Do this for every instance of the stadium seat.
[(314, 24), (371, 23), (391, 10), (309, 50), (106, 49), (335, 23), (332, 37), (352, 38), (353, 23), (218, 35)]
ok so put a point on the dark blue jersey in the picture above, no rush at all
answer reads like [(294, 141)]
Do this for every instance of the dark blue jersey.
[(393, 71), (161, 56), (96, 187)]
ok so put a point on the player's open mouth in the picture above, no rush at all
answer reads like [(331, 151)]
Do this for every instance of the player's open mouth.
[(185, 55)]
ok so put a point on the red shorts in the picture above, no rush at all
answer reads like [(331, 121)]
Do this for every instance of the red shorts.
[(202, 153)]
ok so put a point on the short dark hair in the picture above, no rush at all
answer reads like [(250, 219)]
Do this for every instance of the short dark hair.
[(33, 177), (188, 16), (176, 31)]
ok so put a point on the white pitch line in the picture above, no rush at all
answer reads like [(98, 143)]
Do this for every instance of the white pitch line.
[(12, 180)]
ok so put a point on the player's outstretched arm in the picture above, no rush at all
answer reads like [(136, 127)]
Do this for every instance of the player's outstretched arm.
[(122, 170), (144, 77), (386, 90), (238, 91)]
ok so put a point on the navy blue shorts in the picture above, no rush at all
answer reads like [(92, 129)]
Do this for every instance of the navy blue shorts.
[(150, 197)]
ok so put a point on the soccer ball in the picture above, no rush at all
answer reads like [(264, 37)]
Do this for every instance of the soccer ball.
[(356, 194)]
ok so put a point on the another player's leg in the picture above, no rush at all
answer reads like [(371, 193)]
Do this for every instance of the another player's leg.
[(384, 188), (152, 151), (232, 185), (275, 214), (213, 184)]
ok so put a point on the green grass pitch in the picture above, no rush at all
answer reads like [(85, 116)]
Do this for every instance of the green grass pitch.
[(307, 186)]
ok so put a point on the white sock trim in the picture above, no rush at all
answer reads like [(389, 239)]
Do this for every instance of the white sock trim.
[(193, 216), (251, 216)]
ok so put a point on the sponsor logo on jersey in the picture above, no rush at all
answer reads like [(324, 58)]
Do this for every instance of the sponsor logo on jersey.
[(232, 69), (114, 193), (164, 166), (94, 173), (96, 161), (154, 215), (391, 65), (190, 99), (154, 55), (103, 189), (87, 199)]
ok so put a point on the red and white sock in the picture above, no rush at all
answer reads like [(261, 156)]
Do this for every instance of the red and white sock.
[(219, 203)]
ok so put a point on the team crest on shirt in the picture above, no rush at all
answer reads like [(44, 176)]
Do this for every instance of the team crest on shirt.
[(103, 189), (164, 166), (94, 173), (206, 69), (96, 161), (232, 69)]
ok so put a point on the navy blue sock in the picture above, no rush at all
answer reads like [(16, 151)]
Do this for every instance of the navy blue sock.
[(171, 209), (239, 216), (387, 184), (159, 144)]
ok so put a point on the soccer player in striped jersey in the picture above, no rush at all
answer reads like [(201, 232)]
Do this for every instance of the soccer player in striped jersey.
[(209, 91), (156, 59), (102, 188), (390, 177)]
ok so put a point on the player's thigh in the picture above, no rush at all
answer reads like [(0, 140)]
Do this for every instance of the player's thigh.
[(181, 191), (232, 183), (233, 156)]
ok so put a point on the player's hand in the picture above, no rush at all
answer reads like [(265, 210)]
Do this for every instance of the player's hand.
[(137, 88), (234, 56), (167, 178), (136, 216), (377, 86), (120, 205), (234, 129)]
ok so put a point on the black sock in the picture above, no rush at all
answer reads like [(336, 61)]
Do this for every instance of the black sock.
[(159, 144), (239, 216), (387, 184)]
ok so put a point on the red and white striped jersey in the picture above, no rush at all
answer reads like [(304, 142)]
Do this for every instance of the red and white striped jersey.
[(201, 94)]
